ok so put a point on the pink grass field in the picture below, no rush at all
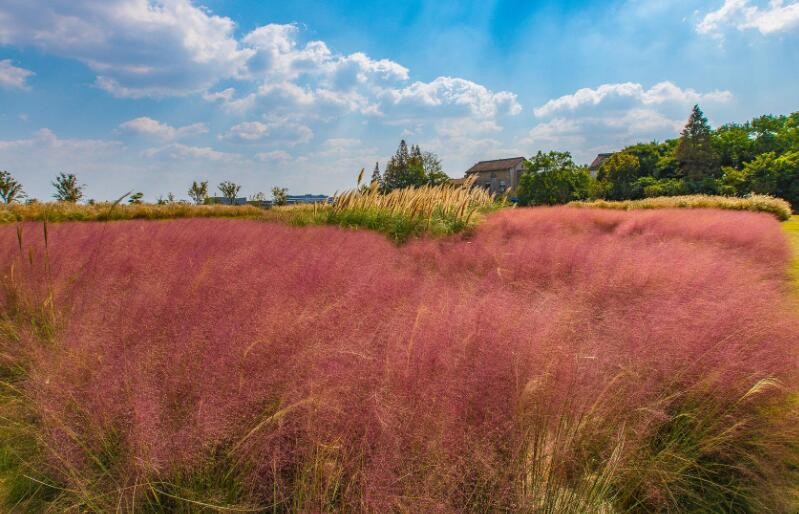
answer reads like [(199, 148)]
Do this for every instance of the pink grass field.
[(555, 360)]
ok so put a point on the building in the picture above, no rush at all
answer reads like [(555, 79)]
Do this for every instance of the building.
[(598, 162), (295, 199), (221, 200), (500, 175)]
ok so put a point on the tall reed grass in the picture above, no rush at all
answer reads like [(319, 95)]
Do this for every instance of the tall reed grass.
[(756, 203), (559, 360)]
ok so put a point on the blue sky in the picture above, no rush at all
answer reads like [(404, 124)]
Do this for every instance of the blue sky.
[(149, 95)]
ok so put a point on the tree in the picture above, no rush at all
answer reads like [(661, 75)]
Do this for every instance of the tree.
[(229, 191), (404, 169), (199, 192), (433, 171), (135, 198), (279, 195), (376, 177), (696, 156), (10, 189), (67, 188), (619, 174), (774, 175), (553, 178)]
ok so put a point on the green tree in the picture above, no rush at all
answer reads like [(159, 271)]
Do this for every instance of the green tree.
[(135, 198), (734, 144), (404, 169), (67, 188), (775, 175), (229, 191), (619, 175), (553, 178), (376, 177), (10, 189), (433, 171), (279, 195), (696, 156), (198, 192)]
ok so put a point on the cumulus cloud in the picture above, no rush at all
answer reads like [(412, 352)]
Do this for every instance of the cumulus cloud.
[(148, 126), (46, 139), (274, 156), (136, 47), (181, 151), (740, 14), (611, 116), (13, 77), (629, 93), (277, 128), (461, 94)]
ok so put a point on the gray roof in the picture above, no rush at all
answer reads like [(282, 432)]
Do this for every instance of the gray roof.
[(495, 165), (599, 161)]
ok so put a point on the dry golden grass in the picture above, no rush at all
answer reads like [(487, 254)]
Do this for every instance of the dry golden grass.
[(105, 211), (400, 213), (759, 203)]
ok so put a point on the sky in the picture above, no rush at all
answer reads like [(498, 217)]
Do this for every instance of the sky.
[(150, 95)]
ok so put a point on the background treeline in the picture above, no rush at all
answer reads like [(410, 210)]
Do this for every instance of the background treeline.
[(760, 156)]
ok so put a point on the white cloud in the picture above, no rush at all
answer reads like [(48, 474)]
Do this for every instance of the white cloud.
[(472, 98), (46, 140), (277, 128), (136, 47), (148, 126), (274, 156), (13, 77), (611, 116), (777, 17), (181, 151), (629, 93)]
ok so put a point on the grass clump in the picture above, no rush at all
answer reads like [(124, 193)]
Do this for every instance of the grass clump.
[(757, 203)]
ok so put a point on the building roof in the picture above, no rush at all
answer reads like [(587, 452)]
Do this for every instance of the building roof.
[(599, 161), (495, 165), (457, 181)]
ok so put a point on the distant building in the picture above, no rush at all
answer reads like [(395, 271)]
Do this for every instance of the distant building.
[(498, 176), (457, 181), (598, 162), (294, 199), (221, 200)]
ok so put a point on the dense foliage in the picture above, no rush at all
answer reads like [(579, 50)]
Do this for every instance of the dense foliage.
[(410, 167), (760, 156), (559, 360), (553, 178)]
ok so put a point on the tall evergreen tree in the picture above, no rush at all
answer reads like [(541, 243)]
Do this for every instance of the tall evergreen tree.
[(696, 155), (376, 177)]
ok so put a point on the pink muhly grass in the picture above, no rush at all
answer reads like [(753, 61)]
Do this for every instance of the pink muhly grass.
[(559, 360)]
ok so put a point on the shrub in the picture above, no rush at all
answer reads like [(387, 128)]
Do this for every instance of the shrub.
[(559, 360), (757, 203)]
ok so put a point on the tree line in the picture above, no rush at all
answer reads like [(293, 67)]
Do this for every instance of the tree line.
[(760, 156), (68, 189)]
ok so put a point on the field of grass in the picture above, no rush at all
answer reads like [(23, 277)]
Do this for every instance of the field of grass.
[(792, 229), (756, 203), (556, 360), (400, 214)]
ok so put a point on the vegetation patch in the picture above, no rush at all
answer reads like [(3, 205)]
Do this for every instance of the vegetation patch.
[(756, 203), (399, 213)]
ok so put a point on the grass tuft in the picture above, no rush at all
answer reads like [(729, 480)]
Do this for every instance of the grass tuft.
[(756, 203)]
